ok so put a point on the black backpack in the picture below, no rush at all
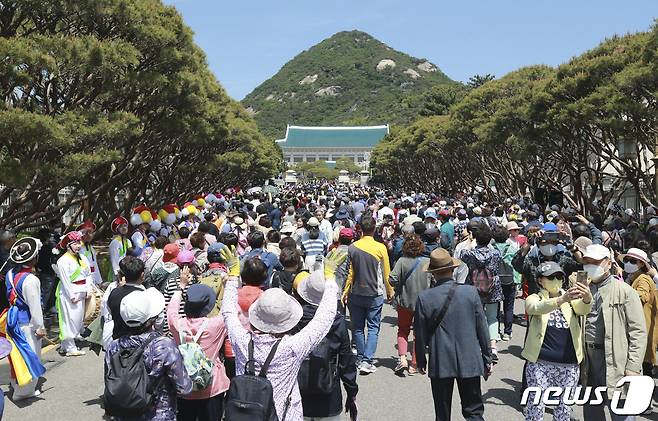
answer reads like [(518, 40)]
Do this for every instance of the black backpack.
[(128, 389), (318, 372), (250, 396)]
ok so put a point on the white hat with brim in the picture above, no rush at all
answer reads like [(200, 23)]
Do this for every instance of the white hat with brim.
[(275, 312), (596, 252), (24, 250), (635, 253), (511, 226), (138, 307), (311, 288), (313, 222), (238, 221)]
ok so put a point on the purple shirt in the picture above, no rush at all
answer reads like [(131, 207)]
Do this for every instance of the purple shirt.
[(161, 358)]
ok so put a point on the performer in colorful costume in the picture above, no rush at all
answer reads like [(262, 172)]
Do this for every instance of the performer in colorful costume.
[(22, 323), (87, 229), (73, 289), (141, 219), (119, 245)]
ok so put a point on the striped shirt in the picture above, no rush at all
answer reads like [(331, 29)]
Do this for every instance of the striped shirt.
[(314, 247)]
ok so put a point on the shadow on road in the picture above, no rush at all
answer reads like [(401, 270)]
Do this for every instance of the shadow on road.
[(513, 350), (505, 396)]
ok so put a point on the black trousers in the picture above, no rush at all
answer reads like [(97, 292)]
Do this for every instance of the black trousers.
[(469, 392), (211, 409)]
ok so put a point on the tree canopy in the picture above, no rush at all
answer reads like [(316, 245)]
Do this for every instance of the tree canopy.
[(109, 96), (586, 128)]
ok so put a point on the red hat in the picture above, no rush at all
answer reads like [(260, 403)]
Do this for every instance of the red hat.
[(117, 222), (444, 212), (69, 237), (87, 225), (170, 253), (346, 233)]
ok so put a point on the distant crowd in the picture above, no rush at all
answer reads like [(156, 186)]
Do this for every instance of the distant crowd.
[(267, 306)]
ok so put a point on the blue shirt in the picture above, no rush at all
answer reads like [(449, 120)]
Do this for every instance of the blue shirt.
[(270, 260)]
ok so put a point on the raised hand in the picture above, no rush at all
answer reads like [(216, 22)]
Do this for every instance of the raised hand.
[(334, 259), (232, 261)]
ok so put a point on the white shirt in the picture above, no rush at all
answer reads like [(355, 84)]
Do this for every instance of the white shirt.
[(327, 230), (116, 253)]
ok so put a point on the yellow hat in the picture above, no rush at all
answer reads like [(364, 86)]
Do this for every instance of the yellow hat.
[(299, 278)]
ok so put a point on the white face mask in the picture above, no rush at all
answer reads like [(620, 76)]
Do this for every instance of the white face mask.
[(595, 272), (630, 268), (548, 250)]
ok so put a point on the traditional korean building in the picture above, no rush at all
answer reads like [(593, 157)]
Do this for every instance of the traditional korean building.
[(310, 143)]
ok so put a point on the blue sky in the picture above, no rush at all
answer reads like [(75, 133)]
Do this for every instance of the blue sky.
[(247, 42)]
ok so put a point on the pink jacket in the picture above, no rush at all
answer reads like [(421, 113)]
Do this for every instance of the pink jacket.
[(211, 341)]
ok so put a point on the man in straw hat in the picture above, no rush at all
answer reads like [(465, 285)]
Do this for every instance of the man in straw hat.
[(24, 319), (450, 320), (72, 291)]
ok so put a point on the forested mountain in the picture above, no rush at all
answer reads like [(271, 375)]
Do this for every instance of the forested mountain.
[(349, 78)]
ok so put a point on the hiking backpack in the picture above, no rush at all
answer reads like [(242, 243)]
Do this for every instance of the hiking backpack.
[(250, 397), (128, 389), (198, 366), (505, 270), (318, 372), (483, 280)]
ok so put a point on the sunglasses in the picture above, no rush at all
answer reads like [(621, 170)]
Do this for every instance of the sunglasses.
[(554, 278), (630, 260)]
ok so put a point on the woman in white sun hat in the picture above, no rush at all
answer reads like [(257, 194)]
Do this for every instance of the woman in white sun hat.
[(272, 317), (639, 273)]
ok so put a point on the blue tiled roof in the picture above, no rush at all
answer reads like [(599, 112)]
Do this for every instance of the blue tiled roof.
[(333, 137)]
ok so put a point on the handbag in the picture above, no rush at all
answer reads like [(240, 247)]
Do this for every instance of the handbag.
[(403, 280)]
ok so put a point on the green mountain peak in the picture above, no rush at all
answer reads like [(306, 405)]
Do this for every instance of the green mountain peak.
[(350, 78)]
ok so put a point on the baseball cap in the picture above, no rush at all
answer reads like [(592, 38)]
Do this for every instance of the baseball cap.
[(549, 227), (597, 252), (139, 306), (346, 233), (430, 213), (313, 222), (549, 268)]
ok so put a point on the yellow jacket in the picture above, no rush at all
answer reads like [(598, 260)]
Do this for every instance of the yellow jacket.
[(539, 306)]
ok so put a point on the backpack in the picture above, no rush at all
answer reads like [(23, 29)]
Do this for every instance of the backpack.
[(128, 389), (505, 270), (198, 366), (250, 397), (318, 373), (483, 280)]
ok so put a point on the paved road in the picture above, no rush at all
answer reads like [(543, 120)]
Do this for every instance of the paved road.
[(73, 387)]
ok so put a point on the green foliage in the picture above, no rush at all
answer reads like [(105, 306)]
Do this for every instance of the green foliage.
[(365, 95), (539, 127), (347, 164), (316, 170), (109, 96), (476, 81)]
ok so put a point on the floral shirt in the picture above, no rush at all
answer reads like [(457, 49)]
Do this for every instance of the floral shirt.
[(292, 350), (480, 257), (162, 359)]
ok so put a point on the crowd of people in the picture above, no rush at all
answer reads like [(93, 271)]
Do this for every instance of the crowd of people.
[(268, 306)]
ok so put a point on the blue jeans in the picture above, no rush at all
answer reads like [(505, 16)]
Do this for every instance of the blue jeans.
[(365, 310)]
